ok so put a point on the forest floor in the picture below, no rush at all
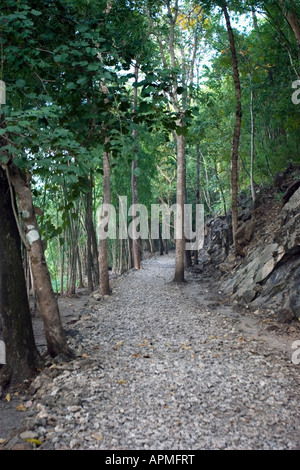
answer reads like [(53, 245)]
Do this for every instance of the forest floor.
[(161, 366)]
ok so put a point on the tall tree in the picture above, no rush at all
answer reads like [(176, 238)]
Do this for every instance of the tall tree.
[(134, 187), (22, 356), (54, 332), (178, 60), (103, 242), (238, 122)]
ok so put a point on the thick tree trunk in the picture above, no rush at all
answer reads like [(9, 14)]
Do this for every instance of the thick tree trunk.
[(179, 222), (237, 128), (22, 357), (54, 333), (103, 245)]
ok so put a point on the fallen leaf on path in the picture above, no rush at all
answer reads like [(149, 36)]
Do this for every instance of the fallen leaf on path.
[(7, 397), (34, 441), (122, 382), (21, 407)]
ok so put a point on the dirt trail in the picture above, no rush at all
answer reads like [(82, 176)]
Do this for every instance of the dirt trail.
[(182, 331)]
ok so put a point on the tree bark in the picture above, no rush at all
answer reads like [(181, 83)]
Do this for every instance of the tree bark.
[(252, 141), (95, 256), (103, 251), (22, 356), (135, 243), (197, 193), (294, 22), (237, 128), (54, 333), (89, 228), (134, 189), (179, 225)]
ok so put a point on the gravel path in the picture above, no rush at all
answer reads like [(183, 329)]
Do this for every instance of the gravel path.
[(162, 367)]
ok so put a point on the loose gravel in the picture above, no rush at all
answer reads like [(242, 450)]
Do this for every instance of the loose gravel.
[(161, 367)]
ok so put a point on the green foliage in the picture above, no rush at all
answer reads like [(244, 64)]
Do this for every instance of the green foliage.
[(68, 69)]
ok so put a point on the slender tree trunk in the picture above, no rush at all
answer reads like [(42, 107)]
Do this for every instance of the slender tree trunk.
[(22, 356), (197, 193), (179, 222), (237, 128), (72, 263), (54, 333), (79, 268), (135, 243), (187, 253), (61, 266), (95, 256), (120, 256), (103, 244), (114, 256), (161, 243), (89, 228), (252, 141), (134, 189)]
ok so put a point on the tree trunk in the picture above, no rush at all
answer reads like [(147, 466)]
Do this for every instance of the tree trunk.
[(252, 142), (61, 255), (294, 22), (95, 256), (161, 243), (22, 356), (79, 268), (135, 243), (89, 228), (197, 193), (103, 245), (187, 253), (54, 333), (134, 189), (179, 226), (237, 129)]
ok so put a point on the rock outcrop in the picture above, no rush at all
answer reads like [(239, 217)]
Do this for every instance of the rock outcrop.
[(268, 275)]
